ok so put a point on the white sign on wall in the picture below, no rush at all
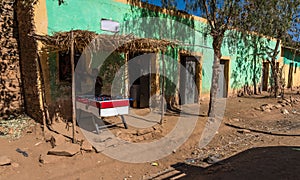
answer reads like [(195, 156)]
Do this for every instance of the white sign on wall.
[(110, 25)]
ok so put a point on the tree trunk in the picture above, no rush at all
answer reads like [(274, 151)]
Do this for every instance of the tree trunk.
[(275, 69), (254, 70), (215, 79), (73, 90)]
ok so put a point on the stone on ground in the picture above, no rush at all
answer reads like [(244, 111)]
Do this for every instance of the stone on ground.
[(66, 149), (86, 146), (284, 111), (4, 160), (46, 159)]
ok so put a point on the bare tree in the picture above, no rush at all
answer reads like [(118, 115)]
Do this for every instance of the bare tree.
[(277, 19), (221, 16)]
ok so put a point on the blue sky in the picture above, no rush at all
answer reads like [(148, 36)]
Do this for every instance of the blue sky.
[(180, 5)]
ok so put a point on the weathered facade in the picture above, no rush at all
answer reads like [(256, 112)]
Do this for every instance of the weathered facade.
[(291, 61), (28, 58), (44, 75), (18, 58), (10, 80)]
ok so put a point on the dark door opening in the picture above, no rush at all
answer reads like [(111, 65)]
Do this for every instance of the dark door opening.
[(139, 79), (64, 65), (188, 89), (265, 76), (290, 79), (223, 79)]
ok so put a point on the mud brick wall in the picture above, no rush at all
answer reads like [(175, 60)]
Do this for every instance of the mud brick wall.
[(10, 90), (28, 57)]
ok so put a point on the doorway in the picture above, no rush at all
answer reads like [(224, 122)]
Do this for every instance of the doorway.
[(265, 76), (140, 78), (189, 77), (223, 79), (290, 78)]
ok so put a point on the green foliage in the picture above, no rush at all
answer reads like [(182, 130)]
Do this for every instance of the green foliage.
[(109, 72), (275, 18)]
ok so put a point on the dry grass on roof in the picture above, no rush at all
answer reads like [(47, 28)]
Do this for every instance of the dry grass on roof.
[(61, 41)]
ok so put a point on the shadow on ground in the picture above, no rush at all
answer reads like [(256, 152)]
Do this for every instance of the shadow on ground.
[(279, 162)]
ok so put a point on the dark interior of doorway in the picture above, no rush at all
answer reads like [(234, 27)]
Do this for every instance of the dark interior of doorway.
[(265, 77), (139, 79), (64, 65), (223, 83), (290, 77), (188, 88)]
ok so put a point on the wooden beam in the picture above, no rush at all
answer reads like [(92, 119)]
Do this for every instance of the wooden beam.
[(162, 87), (73, 89), (126, 75)]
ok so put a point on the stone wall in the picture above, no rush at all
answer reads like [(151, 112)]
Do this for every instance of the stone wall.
[(10, 84), (28, 58)]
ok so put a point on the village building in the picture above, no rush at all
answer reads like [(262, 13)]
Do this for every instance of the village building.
[(36, 59)]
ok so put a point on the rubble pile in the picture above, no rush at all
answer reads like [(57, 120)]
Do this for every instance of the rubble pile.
[(281, 104), (15, 126)]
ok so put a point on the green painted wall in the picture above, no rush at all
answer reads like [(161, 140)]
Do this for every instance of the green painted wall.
[(288, 57), (86, 15)]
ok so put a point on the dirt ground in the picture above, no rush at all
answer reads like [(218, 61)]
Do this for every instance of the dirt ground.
[(259, 138)]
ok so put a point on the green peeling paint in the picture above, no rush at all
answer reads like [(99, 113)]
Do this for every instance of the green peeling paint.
[(86, 15)]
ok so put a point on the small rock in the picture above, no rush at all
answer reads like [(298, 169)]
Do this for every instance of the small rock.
[(141, 132), (284, 111), (253, 114), (118, 133), (4, 160), (148, 136), (139, 138), (236, 119), (67, 149), (190, 160), (267, 110), (15, 165), (86, 146), (243, 131), (212, 159), (277, 106), (195, 152), (154, 164), (258, 109), (46, 159), (38, 143), (264, 107), (240, 100), (174, 151)]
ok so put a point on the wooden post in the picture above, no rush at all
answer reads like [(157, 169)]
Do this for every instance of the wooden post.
[(162, 88), (73, 88), (40, 93), (126, 76), (157, 78), (199, 77)]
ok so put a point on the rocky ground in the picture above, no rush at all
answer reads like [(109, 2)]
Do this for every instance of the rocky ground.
[(259, 138)]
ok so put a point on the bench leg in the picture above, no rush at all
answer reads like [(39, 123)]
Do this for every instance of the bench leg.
[(96, 125), (124, 122)]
